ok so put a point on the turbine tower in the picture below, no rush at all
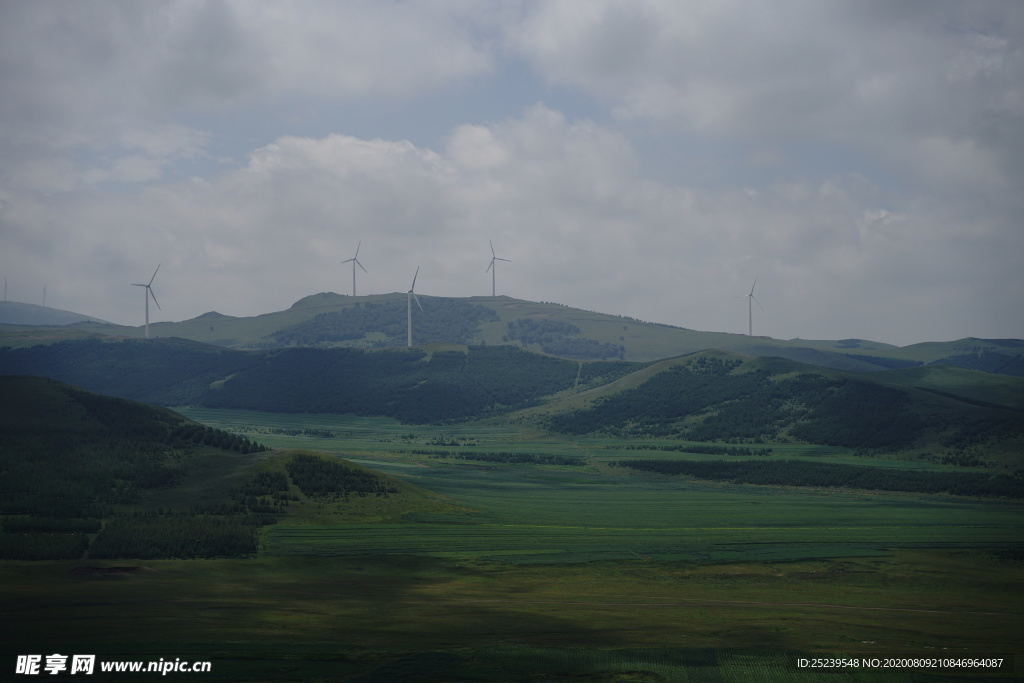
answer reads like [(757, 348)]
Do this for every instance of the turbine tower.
[(411, 296), (44, 296), (750, 308), (492, 268), (149, 293), (355, 262)]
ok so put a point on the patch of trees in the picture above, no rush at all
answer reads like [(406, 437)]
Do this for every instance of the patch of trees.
[(51, 525), (828, 475), (218, 438), (558, 338), (887, 363), (185, 536), (442, 320), (987, 361), (538, 330), (703, 400), (508, 458), (600, 372), (19, 546), (327, 479), (706, 450)]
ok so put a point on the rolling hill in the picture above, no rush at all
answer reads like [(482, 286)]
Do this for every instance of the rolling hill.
[(947, 414), (329, 320), (90, 474)]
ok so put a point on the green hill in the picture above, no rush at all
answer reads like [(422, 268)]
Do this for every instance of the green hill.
[(328, 320), (86, 474), (945, 413), (436, 384), (730, 398)]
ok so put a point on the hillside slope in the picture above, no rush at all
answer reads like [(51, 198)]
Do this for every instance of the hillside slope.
[(89, 474), (723, 397), (378, 321), (436, 384)]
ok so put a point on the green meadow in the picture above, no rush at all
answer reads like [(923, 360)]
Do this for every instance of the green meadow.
[(549, 572)]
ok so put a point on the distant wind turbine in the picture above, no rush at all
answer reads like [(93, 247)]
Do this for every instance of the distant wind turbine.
[(355, 262), (412, 295), (44, 296), (149, 293), (750, 308), (492, 268)]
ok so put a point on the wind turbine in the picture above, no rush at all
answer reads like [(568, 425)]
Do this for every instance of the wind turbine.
[(411, 296), (750, 308), (44, 296), (355, 262), (492, 268), (149, 293)]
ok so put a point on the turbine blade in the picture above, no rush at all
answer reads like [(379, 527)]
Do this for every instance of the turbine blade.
[(359, 264), (150, 290), (155, 272), (416, 298), (489, 266), (492, 247), (348, 260), (357, 248), (757, 302), (502, 259), (754, 285), (411, 289)]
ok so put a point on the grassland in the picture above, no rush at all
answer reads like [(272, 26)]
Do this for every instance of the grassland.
[(527, 572)]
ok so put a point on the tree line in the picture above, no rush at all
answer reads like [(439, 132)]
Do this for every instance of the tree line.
[(836, 475), (507, 457)]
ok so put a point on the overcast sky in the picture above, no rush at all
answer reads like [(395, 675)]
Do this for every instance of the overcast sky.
[(863, 159)]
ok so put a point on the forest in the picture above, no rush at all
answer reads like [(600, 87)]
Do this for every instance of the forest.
[(400, 383), (704, 400), (451, 386)]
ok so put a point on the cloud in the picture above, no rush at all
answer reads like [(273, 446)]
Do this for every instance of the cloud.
[(123, 74), (564, 200), (644, 158)]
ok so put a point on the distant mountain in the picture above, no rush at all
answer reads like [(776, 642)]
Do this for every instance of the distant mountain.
[(17, 313), (329, 320)]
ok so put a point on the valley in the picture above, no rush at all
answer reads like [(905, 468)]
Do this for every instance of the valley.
[(465, 511)]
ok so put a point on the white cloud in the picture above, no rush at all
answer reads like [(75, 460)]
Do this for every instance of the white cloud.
[(862, 159)]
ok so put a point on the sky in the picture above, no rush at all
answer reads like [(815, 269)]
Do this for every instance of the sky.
[(863, 161)]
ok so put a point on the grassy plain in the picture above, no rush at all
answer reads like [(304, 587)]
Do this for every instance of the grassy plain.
[(552, 573)]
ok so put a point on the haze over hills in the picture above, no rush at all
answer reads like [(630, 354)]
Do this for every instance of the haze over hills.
[(328, 320), (18, 313)]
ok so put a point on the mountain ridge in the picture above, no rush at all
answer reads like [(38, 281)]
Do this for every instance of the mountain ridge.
[(327, 320)]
